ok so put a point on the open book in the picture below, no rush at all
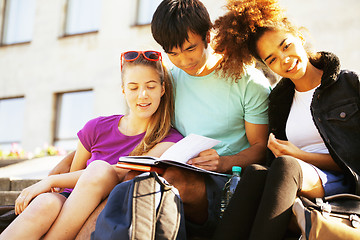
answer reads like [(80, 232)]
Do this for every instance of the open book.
[(177, 155)]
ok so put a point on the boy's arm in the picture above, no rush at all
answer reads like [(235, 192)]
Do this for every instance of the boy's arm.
[(64, 165), (256, 127), (257, 135)]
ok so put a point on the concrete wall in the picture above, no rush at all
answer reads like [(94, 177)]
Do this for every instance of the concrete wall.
[(52, 64), (333, 26)]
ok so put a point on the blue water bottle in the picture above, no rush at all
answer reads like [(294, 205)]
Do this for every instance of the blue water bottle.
[(229, 188)]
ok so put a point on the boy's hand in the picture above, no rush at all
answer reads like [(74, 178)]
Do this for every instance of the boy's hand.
[(208, 159)]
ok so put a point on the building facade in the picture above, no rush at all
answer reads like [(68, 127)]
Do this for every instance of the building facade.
[(59, 59), (59, 64)]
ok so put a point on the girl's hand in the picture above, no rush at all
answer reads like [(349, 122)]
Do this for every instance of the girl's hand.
[(280, 147), (30, 193), (208, 159)]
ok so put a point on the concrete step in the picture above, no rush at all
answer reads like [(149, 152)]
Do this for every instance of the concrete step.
[(8, 197), (4, 184), (7, 184), (10, 189), (18, 185)]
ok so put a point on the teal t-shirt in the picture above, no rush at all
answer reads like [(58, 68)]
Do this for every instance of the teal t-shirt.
[(218, 108)]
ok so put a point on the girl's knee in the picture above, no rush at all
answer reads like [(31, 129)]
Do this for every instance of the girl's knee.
[(98, 172), (99, 178), (98, 165), (287, 164), (287, 168), (47, 203)]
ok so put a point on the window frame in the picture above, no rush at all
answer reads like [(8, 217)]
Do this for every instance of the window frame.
[(139, 11), (67, 33), (18, 141), (57, 115), (5, 25)]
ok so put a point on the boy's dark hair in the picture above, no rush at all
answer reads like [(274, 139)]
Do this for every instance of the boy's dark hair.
[(174, 18)]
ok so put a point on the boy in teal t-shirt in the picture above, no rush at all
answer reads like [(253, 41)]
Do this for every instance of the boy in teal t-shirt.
[(206, 103)]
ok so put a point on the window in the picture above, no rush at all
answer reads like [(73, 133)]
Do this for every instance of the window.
[(74, 109), (11, 121), (82, 16), (18, 21), (145, 11)]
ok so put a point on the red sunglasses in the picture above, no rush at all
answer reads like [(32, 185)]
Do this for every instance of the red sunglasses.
[(133, 55)]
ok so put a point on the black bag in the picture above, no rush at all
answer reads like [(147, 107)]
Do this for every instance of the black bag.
[(334, 217), (7, 215), (146, 207)]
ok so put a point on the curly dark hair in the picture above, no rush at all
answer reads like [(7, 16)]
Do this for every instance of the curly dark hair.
[(238, 30)]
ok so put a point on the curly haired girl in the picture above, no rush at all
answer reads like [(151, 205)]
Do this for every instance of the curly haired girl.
[(235, 30), (313, 121)]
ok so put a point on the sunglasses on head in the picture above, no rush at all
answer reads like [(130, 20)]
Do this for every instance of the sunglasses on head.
[(133, 55)]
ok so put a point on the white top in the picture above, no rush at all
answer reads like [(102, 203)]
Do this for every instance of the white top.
[(300, 127)]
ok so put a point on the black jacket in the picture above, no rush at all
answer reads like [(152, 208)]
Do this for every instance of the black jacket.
[(335, 109)]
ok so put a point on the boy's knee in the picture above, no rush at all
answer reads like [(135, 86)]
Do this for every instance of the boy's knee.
[(131, 175), (254, 171), (173, 174), (189, 184), (178, 176)]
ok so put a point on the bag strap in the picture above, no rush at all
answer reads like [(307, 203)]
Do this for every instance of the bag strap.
[(343, 196), (168, 216), (346, 206), (143, 208), (156, 209), (344, 203)]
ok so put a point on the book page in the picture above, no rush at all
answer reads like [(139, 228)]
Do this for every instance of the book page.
[(188, 147)]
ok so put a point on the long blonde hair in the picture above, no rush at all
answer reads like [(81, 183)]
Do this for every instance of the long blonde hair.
[(160, 121)]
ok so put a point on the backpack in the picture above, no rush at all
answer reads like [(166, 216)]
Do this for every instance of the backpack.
[(7, 215), (146, 207), (334, 217)]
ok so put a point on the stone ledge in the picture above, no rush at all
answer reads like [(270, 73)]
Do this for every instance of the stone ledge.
[(7, 162), (8, 197), (18, 185), (7, 184), (4, 184)]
